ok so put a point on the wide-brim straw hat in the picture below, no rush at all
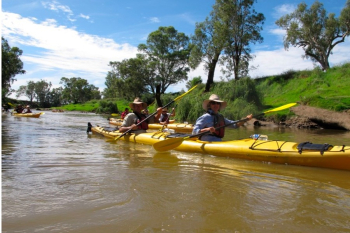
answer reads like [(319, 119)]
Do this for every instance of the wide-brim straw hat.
[(137, 100), (214, 98)]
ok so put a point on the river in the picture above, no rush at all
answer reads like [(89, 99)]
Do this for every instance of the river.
[(58, 178)]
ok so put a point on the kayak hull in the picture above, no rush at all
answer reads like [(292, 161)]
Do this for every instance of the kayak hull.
[(281, 152), (33, 115)]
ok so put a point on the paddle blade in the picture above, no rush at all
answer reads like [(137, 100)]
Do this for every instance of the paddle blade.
[(168, 144), (42, 113), (281, 108)]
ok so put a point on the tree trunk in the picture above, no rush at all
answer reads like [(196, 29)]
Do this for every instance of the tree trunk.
[(159, 102), (211, 72)]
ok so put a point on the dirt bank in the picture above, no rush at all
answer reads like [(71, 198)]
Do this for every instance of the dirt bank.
[(312, 118), (323, 118)]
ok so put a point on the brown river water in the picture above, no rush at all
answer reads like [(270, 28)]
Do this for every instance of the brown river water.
[(58, 178)]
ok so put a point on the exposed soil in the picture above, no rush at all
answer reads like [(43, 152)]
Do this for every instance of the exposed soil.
[(311, 117)]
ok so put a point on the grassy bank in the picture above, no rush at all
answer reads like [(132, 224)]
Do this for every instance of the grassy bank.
[(327, 90)]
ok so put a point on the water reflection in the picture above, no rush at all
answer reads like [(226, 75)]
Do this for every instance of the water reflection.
[(57, 178)]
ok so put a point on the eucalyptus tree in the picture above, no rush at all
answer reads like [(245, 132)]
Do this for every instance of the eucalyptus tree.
[(207, 47), (27, 91), (168, 53), (224, 38), (239, 26), (78, 90), (11, 65), (128, 78), (42, 91), (314, 31)]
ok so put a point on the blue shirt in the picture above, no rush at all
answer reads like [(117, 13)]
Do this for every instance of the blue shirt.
[(206, 121)]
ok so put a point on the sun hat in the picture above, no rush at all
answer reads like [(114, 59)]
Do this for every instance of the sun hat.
[(214, 98), (27, 106), (137, 100)]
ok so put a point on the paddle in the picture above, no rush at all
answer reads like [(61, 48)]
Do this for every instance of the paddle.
[(177, 98), (172, 143)]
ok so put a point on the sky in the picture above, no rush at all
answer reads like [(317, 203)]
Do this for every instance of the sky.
[(78, 38)]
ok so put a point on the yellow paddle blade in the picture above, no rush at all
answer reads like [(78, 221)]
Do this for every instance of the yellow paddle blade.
[(179, 97), (168, 144), (115, 114), (281, 108), (42, 113)]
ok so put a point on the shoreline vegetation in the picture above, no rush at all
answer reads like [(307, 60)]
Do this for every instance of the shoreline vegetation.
[(323, 99)]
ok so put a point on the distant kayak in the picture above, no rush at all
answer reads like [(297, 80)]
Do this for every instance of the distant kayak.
[(274, 151), (33, 115)]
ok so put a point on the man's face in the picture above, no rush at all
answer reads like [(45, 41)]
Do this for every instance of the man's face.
[(137, 107)]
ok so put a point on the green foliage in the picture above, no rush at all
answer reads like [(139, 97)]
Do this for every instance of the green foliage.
[(11, 65), (107, 107), (315, 31), (328, 90), (241, 96), (78, 90)]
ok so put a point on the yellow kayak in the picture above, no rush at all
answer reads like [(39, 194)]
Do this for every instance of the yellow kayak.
[(274, 151), (178, 127), (34, 115)]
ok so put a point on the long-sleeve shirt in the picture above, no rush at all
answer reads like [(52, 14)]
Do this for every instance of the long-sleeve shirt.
[(206, 121)]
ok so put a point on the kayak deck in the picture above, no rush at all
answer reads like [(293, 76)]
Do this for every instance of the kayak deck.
[(274, 151)]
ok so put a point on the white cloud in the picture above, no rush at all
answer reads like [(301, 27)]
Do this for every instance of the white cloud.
[(56, 6), (284, 9), (62, 49), (154, 20), (84, 16)]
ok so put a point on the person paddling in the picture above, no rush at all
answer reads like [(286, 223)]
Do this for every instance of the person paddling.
[(165, 116), (27, 109), (132, 119), (212, 119)]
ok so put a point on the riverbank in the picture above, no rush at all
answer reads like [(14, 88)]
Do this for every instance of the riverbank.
[(312, 118)]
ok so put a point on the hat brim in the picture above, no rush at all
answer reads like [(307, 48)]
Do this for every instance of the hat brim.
[(144, 105), (206, 102)]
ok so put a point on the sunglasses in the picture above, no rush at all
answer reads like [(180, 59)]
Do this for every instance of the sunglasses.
[(213, 103)]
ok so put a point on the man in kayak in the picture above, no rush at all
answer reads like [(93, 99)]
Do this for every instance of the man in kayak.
[(212, 119), (132, 119), (165, 116)]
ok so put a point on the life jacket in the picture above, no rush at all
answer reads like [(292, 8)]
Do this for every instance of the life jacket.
[(141, 117), (219, 120), (124, 114)]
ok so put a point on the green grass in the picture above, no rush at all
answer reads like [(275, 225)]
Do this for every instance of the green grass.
[(327, 90)]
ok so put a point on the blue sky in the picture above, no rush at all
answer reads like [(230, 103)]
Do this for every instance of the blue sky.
[(71, 38)]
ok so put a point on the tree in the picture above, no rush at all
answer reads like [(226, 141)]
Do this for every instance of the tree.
[(11, 65), (78, 90), (314, 31), (207, 48), (28, 91), (224, 38), (239, 26), (193, 82), (168, 53), (129, 78), (42, 90)]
